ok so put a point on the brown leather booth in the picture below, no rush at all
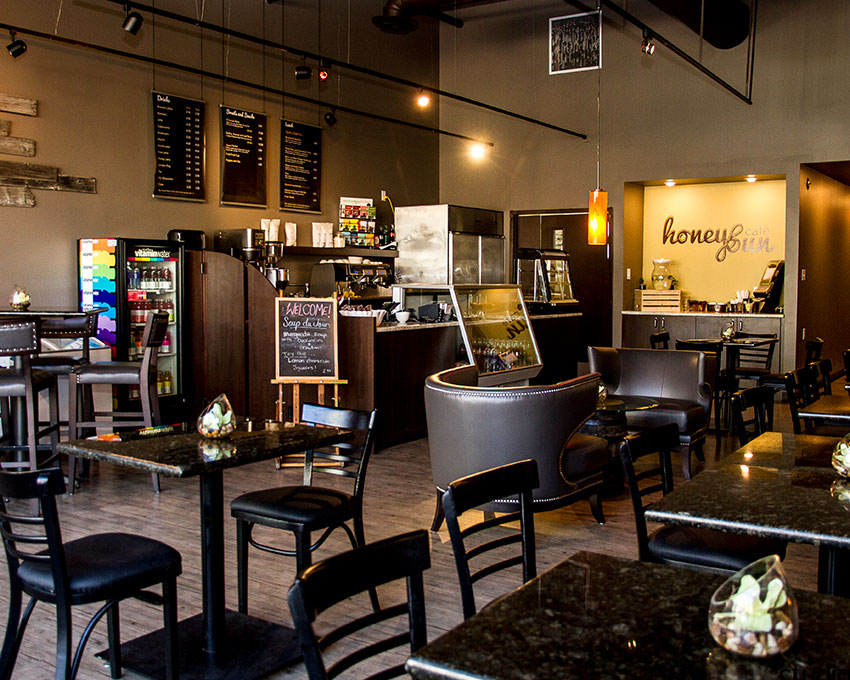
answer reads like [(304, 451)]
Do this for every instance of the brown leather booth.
[(676, 378), (472, 428)]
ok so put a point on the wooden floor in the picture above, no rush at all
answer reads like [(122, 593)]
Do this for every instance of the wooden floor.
[(399, 497)]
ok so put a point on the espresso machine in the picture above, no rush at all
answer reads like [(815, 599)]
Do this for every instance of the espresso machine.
[(767, 294), (365, 283), (250, 246)]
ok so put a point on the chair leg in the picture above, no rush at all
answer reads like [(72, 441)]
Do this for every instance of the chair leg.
[(360, 535), (150, 416), (157, 487), (596, 507), (169, 616), (243, 533), (63, 642), (439, 516), (11, 641), (303, 556), (686, 463), (113, 631)]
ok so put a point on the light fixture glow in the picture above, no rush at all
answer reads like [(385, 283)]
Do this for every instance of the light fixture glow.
[(669, 182), (423, 100), (751, 178), (597, 218), (324, 70), (646, 45), (477, 151), (132, 21)]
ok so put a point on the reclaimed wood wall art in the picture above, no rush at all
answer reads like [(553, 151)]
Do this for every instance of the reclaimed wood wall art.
[(18, 179)]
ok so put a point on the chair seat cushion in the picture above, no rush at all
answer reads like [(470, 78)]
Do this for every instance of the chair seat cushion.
[(688, 415), (583, 455), (57, 365), (12, 382), (711, 548), (312, 506), (776, 380), (105, 566), (109, 372)]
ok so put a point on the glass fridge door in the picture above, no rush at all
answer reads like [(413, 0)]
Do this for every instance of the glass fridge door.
[(153, 276), (497, 333)]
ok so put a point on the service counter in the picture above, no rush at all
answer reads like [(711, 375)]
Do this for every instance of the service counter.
[(638, 326), (386, 366)]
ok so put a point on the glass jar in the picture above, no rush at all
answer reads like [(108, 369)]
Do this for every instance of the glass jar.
[(841, 456), (660, 276)]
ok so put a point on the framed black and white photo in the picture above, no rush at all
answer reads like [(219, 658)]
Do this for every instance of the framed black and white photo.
[(575, 42)]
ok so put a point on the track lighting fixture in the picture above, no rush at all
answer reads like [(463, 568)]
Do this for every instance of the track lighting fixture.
[(422, 99), (132, 21), (646, 45), (330, 117), (302, 71), (16, 47)]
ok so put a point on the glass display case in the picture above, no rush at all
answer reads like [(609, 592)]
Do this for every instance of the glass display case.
[(497, 333), (544, 277)]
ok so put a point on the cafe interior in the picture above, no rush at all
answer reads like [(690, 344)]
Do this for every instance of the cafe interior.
[(511, 327)]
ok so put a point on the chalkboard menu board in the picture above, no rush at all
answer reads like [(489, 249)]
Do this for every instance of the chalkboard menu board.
[(243, 157), (306, 331), (301, 167), (178, 129)]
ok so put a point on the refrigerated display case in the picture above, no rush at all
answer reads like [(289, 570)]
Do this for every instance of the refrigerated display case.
[(497, 333), (544, 276), (133, 278)]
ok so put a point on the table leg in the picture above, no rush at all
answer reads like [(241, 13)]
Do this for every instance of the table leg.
[(833, 566), (212, 558)]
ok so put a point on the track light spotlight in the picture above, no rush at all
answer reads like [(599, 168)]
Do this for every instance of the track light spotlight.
[(16, 47), (423, 100), (330, 117), (324, 70), (132, 21), (302, 71), (647, 46)]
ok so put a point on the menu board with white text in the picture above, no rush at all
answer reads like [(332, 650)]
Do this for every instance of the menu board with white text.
[(243, 157), (300, 167), (178, 127)]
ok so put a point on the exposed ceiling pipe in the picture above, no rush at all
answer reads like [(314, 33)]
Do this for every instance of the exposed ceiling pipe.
[(398, 15)]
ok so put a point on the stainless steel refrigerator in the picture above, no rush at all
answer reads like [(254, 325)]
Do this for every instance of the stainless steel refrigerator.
[(132, 278), (449, 244)]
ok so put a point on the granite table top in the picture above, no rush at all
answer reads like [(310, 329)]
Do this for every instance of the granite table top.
[(785, 450), (829, 407), (594, 616), (800, 504), (188, 454)]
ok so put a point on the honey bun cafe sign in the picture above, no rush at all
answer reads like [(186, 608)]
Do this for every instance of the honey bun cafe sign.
[(726, 240)]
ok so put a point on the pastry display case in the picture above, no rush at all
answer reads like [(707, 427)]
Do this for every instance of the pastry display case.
[(497, 333), (544, 277)]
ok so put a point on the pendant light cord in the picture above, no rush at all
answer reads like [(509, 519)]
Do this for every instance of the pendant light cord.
[(599, 99)]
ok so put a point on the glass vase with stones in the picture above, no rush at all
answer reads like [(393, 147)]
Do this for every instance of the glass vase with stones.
[(660, 275)]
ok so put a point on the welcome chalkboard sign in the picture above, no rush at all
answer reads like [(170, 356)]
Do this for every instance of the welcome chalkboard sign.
[(306, 339)]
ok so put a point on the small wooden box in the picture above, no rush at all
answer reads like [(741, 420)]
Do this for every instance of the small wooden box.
[(658, 300)]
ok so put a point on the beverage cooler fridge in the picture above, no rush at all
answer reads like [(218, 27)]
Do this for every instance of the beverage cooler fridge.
[(133, 278)]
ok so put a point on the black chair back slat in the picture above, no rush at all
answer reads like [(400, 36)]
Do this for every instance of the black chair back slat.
[(754, 357), (326, 583), (495, 567), (658, 442), (490, 523), (660, 340), (760, 400), (493, 544), (361, 623), (513, 479)]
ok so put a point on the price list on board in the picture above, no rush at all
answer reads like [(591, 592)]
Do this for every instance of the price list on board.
[(179, 143), (243, 156), (301, 166)]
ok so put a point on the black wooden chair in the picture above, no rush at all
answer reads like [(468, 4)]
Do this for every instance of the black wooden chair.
[(822, 376), (660, 340), (340, 576), (20, 341), (143, 374), (719, 383), (100, 568), (746, 424), (693, 547), (306, 509), (513, 479), (752, 362)]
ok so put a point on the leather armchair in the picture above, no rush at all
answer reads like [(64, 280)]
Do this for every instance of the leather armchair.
[(676, 378), (472, 428)]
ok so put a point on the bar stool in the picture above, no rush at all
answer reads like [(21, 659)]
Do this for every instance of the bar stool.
[(143, 374), (71, 327), (19, 339)]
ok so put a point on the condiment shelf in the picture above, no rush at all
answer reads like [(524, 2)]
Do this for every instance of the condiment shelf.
[(336, 252)]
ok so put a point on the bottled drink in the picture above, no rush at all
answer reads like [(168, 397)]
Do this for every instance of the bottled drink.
[(167, 279), (166, 343)]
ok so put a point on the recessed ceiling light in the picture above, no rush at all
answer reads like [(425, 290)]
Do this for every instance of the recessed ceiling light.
[(751, 178), (477, 151), (670, 182)]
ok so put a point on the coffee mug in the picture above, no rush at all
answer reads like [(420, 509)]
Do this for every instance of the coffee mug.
[(402, 317)]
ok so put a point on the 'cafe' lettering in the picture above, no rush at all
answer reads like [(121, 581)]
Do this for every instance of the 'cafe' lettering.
[(730, 240)]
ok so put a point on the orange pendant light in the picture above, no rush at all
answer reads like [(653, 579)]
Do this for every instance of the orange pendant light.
[(597, 218)]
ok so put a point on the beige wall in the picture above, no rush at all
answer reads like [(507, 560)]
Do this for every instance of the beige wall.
[(719, 237), (95, 120)]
